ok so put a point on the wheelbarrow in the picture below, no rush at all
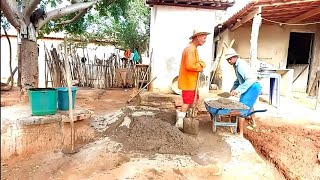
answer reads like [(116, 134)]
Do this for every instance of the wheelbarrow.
[(216, 112)]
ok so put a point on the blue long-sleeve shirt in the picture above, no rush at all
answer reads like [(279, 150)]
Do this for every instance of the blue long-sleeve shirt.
[(245, 76)]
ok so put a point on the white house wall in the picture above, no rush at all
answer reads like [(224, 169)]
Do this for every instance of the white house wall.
[(5, 56), (171, 28)]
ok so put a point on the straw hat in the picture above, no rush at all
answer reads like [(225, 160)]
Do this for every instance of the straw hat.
[(230, 53), (198, 32)]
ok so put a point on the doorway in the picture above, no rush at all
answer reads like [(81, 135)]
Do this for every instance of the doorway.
[(300, 59)]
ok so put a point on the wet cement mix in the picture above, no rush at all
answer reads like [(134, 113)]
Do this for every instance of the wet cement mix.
[(226, 104), (154, 135), (151, 132)]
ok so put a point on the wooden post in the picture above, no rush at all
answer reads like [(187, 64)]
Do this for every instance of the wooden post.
[(254, 38), (68, 74), (318, 98)]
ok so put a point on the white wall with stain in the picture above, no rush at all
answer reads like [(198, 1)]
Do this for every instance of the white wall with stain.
[(171, 28)]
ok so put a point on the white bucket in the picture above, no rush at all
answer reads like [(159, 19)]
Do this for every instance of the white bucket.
[(174, 86)]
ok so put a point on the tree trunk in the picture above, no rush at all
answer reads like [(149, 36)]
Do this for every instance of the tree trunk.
[(29, 66)]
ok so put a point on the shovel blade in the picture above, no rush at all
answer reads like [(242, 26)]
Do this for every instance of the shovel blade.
[(190, 126)]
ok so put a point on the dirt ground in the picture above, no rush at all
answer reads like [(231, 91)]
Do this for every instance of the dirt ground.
[(292, 149)]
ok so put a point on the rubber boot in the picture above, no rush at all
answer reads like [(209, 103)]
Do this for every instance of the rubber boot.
[(179, 119)]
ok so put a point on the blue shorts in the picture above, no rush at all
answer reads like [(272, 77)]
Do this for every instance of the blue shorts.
[(250, 96)]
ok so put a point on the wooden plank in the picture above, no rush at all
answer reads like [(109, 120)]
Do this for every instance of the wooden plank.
[(305, 16), (204, 6), (264, 3), (300, 85), (284, 13), (247, 18), (257, 20), (289, 8)]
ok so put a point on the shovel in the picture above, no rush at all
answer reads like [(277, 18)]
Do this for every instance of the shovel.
[(190, 124)]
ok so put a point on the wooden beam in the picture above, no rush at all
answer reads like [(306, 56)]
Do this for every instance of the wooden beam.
[(264, 3), (293, 12), (222, 7), (304, 16), (289, 8), (247, 18), (257, 20)]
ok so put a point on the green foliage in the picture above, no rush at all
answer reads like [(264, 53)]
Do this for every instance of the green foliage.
[(133, 28), (78, 27), (91, 26), (126, 28), (124, 23), (112, 8)]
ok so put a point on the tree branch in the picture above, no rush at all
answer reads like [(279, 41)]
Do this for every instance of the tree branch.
[(75, 18), (30, 8), (110, 2), (57, 13), (10, 11)]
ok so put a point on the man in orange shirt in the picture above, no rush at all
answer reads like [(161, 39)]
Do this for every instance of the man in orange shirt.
[(189, 68)]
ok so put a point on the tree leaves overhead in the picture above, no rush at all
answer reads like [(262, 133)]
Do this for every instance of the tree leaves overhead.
[(122, 22), (113, 8), (78, 27), (125, 23), (132, 29)]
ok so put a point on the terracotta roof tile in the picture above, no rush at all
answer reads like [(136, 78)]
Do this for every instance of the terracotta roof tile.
[(204, 4)]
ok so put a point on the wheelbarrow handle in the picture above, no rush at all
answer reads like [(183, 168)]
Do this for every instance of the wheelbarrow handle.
[(262, 110)]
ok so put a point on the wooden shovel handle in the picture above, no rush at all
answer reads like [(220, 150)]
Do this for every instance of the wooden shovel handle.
[(195, 95)]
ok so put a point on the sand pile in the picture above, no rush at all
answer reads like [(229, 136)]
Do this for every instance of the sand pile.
[(155, 135), (227, 104)]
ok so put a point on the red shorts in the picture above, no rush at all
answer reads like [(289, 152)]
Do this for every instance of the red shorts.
[(188, 96)]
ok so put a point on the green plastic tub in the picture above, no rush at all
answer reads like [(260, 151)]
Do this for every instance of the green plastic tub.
[(43, 101)]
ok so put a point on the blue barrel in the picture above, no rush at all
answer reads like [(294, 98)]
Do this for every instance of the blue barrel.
[(63, 97)]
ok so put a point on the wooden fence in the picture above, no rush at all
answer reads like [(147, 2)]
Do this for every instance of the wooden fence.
[(108, 72)]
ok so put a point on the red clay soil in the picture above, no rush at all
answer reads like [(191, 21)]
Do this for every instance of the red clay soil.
[(100, 101), (9, 98), (292, 149)]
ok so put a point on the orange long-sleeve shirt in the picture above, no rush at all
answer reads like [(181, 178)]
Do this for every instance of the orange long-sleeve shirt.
[(189, 68)]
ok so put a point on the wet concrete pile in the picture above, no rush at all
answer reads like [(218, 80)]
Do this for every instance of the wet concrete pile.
[(155, 135), (226, 104), (147, 130)]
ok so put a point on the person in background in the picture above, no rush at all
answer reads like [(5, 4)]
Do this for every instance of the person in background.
[(189, 68), (245, 85), (127, 54)]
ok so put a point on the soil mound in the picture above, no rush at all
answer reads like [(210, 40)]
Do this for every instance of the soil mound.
[(227, 104), (158, 136)]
